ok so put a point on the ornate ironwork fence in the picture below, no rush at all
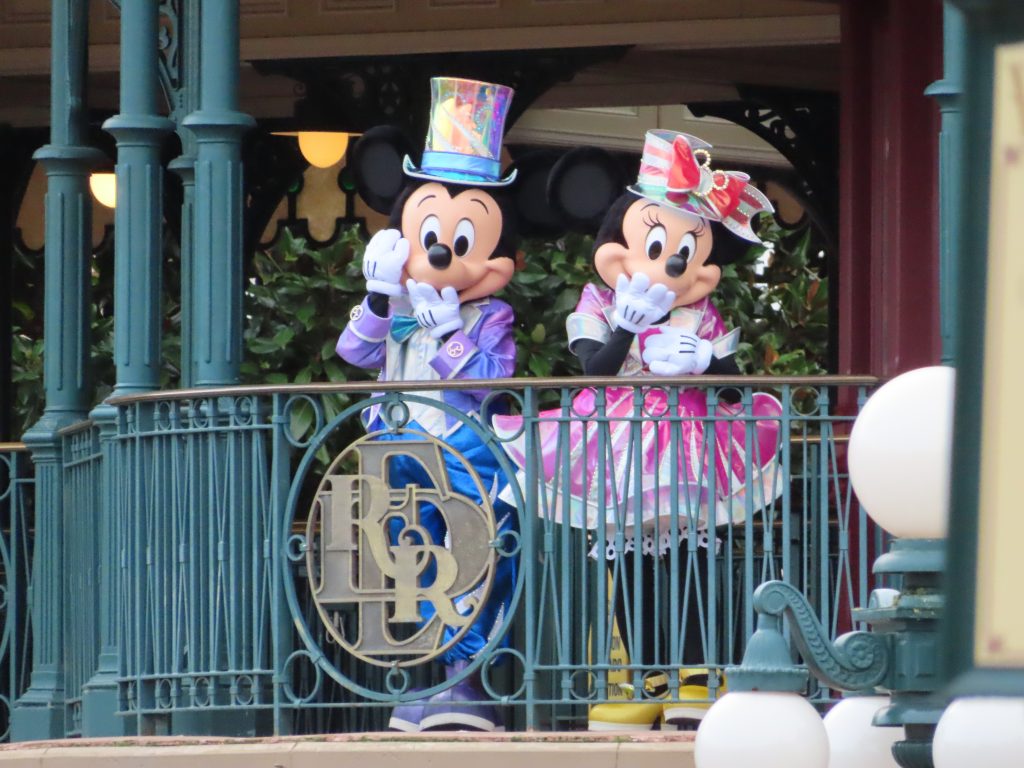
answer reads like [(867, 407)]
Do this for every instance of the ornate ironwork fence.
[(646, 518), (16, 533)]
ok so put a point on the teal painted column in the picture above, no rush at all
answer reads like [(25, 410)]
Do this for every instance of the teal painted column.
[(39, 714), (948, 92), (216, 269), (138, 219), (138, 254), (186, 100), (212, 278)]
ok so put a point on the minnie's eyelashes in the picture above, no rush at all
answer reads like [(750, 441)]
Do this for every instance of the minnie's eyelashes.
[(650, 219)]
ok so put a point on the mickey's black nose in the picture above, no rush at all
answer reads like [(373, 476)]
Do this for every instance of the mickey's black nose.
[(439, 256), (675, 266)]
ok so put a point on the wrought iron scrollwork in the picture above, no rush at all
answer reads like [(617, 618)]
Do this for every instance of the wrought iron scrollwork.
[(804, 127), (857, 661)]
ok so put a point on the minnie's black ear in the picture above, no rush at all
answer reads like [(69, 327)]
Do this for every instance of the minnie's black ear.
[(376, 165), (529, 194), (582, 185)]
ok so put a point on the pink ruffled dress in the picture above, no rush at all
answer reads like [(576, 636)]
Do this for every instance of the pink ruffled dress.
[(656, 454)]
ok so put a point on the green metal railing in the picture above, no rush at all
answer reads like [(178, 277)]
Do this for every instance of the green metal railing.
[(82, 507), (216, 619), (16, 535)]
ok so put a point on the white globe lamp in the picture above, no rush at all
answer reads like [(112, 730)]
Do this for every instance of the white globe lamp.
[(979, 732), (767, 730), (853, 742), (899, 453)]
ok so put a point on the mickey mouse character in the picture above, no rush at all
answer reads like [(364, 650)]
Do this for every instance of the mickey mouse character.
[(659, 253), (430, 314)]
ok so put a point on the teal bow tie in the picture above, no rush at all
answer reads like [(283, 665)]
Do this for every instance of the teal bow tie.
[(402, 327)]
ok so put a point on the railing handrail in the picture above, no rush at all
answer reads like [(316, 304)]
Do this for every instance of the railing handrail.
[(78, 426), (13, 447), (518, 383)]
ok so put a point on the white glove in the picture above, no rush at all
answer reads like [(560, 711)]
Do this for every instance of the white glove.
[(383, 261), (638, 304), (676, 353), (438, 312)]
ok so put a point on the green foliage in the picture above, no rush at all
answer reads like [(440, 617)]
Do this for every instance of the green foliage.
[(781, 307), (542, 294), (296, 305)]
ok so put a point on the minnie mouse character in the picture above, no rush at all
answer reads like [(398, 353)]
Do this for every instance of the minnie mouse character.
[(429, 314), (659, 252)]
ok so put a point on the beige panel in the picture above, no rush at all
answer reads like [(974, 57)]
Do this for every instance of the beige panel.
[(999, 629)]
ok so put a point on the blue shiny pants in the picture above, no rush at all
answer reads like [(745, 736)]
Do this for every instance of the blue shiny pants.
[(404, 471)]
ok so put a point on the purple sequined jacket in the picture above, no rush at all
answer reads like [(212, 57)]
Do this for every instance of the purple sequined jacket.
[(483, 349)]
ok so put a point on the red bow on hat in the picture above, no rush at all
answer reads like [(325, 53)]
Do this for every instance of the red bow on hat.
[(686, 177)]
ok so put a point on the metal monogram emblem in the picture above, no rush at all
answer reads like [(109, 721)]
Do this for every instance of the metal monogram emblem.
[(388, 592)]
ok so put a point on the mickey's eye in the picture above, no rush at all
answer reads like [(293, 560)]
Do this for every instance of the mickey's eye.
[(656, 241), (687, 246), (430, 231), (465, 236)]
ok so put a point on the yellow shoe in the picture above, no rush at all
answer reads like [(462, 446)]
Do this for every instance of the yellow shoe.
[(630, 715), (686, 714)]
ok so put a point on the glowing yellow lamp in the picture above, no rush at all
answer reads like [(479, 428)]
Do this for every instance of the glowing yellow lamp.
[(104, 188), (323, 148)]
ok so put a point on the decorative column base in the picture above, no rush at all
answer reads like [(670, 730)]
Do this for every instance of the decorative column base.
[(38, 717), (100, 695), (100, 707), (40, 712)]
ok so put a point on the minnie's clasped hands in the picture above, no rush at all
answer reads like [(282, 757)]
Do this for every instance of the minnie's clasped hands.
[(673, 352)]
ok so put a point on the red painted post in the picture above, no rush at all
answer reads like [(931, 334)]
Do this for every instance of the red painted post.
[(888, 252), (888, 288)]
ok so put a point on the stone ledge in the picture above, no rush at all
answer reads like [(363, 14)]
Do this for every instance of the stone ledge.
[(381, 750)]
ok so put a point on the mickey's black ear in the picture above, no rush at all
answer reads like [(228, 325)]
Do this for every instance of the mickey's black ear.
[(582, 185), (376, 165), (529, 193)]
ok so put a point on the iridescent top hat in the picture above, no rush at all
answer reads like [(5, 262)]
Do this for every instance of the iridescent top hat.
[(467, 121), (675, 170)]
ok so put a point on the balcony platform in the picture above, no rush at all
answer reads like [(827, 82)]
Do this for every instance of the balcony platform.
[(367, 750)]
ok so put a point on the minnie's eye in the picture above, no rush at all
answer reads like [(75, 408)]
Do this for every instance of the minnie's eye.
[(430, 231), (687, 246), (465, 236), (656, 241)]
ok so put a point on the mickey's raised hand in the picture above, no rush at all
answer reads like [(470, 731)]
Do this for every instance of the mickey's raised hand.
[(383, 262), (638, 304), (676, 353), (437, 311)]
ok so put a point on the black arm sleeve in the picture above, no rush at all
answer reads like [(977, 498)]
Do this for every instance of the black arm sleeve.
[(726, 366), (378, 303), (605, 359), (723, 366)]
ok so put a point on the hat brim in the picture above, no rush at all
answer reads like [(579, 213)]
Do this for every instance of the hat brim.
[(662, 200), (703, 214), (467, 180)]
